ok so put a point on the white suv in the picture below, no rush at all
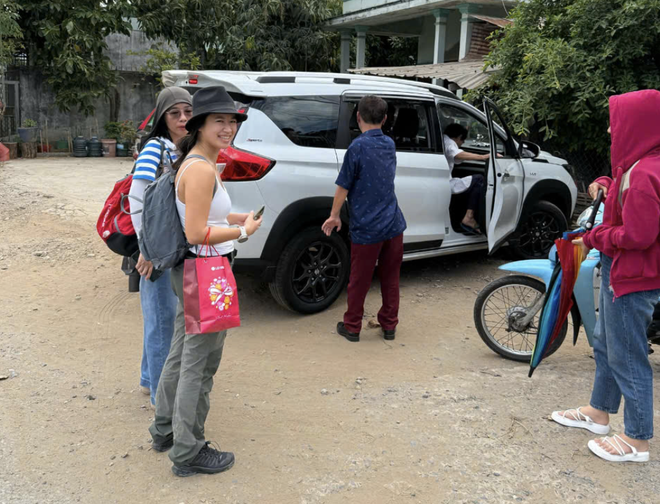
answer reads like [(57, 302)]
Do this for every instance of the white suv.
[(287, 154)]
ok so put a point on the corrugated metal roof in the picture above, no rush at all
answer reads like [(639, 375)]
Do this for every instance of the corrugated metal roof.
[(501, 22), (465, 74)]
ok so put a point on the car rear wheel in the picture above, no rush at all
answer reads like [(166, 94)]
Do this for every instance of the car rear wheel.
[(538, 230), (312, 271)]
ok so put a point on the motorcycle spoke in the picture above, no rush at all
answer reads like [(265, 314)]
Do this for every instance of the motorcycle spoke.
[(498, 310), (504, 303)]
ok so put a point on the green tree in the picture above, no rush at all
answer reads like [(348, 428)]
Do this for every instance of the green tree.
[(10, 31), (561, 60), (160, 58), (282, 35), (66, 40), (195, 26), (247, 34), (391, 51)]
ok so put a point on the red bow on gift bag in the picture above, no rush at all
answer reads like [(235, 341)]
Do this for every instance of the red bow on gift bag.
[(210, 296)]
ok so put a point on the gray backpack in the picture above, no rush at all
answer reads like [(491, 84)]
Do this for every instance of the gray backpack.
[(162, 240)]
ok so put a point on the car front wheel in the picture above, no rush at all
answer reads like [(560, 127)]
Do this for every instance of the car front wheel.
[(538, 230), (311, 272)]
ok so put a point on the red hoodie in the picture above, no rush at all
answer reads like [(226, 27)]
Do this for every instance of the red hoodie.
[(630, 232)]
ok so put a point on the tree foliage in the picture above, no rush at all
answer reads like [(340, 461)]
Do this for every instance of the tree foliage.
[(161, 58), (561, 60), (391, 51), (67, 41), (194, 26), (247, 34), (10, 31)]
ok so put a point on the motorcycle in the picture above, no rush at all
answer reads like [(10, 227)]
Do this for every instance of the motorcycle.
[(507, 311)]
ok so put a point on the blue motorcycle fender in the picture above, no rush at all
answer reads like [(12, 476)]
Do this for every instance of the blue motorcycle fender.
[(539, 268), (584, 295)]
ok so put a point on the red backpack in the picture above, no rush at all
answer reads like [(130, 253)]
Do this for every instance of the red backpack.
[(115, 226)]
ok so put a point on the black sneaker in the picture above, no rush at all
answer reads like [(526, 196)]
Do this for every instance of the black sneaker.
[(207, 461), (389, 335), (350, 336), (164, 445)]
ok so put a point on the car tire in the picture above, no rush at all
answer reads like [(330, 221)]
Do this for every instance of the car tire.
[(538, 230), (312, 271)]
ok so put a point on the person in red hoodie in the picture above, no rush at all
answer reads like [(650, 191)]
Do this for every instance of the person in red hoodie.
[(629, 242)]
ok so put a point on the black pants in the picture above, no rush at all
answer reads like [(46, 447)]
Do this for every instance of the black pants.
[(474, 193)]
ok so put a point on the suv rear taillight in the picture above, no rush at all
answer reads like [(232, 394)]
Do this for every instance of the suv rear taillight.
[(243, 165)]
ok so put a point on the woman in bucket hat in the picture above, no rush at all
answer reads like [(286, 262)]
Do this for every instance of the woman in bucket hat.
[(182, 400), (173, 109)]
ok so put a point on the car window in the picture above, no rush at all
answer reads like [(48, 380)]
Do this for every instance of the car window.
[(308, 121), (477, 138), (407, 124)]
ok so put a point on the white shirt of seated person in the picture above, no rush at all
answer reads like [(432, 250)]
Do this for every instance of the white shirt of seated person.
[(458, 184)]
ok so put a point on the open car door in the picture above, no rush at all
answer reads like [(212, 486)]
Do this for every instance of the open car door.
[(505, 183)]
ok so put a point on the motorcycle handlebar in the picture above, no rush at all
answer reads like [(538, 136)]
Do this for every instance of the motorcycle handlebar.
[(594, 212)]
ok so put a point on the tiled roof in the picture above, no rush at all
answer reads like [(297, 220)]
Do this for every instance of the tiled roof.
[(465, 74), (501, 22)]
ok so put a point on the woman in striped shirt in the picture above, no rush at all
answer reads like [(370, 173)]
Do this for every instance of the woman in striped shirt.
[(173, 109)]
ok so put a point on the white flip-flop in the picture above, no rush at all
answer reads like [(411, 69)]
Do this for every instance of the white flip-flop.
[(616, 442), (582, 422)]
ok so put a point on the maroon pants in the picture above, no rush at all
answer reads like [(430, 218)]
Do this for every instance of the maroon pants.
[(389, 255)]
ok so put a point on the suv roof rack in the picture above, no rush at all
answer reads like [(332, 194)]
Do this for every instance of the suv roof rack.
[(250, 83)]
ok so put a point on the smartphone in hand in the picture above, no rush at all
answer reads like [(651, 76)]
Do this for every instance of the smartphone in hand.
[(260, 212)]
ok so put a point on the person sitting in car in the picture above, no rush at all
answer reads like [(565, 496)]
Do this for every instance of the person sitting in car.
[(454, 137)]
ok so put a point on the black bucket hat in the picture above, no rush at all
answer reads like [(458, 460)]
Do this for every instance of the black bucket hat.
[(212, 100)]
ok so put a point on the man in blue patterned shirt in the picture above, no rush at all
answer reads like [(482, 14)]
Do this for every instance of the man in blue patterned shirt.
[(376, 222)]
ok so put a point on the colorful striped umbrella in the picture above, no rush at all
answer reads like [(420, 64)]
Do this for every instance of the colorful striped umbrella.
[(559, 296)]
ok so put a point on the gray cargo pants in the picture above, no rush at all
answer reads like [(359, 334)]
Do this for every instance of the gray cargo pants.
[(182, 399)]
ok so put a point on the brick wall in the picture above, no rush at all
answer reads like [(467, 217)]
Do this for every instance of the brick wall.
[(479, 45)]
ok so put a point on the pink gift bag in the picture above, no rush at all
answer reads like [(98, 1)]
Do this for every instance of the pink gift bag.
[(210, 296)]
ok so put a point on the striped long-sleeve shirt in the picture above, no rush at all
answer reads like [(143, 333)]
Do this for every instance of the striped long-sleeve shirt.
[(149, 159), (144, 174)]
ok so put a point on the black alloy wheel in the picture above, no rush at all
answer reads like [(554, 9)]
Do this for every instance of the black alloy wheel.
[(538, 230), (312, 271), (316, 272)]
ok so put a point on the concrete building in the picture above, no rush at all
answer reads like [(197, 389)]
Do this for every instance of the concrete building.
[(448, 31)]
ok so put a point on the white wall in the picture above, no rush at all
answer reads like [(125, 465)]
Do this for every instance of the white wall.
[(357, 5)]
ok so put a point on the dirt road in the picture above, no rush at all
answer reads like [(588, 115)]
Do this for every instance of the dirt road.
[(432, 417)]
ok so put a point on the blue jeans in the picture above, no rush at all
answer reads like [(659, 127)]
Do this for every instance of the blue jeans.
[(621, 352), (158, 311)]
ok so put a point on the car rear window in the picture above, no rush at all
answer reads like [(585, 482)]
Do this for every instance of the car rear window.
[(308, 121)]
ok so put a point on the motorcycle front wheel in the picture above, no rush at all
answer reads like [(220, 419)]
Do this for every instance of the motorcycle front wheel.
[(499, 307)]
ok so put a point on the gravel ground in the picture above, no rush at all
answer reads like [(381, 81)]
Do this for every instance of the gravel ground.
[(432, 417)]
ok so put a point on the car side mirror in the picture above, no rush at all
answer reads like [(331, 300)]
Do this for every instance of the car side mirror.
[(528, 150)]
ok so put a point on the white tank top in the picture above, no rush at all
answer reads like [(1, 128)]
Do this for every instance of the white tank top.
[(220, 209)]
